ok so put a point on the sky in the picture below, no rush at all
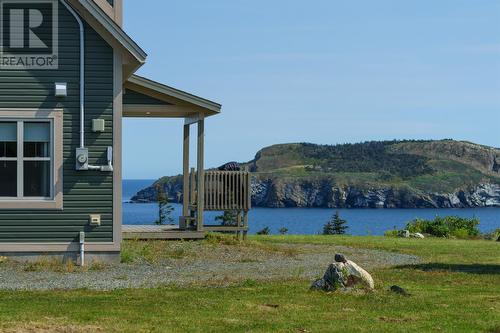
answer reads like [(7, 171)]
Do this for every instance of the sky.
[(320, 71)]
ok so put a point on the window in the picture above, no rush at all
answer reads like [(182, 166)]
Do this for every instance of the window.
[(8, 159), (30, 160)]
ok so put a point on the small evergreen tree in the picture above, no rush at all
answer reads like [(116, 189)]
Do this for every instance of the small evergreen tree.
[(228, 219), (283, 231), (165, 209), (336, 225)]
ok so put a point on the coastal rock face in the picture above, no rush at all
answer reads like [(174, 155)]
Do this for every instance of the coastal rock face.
[(171, 185), (278, 194)]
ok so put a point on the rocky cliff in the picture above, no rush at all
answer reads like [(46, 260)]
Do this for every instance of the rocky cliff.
[(395, 174), (304, 193)]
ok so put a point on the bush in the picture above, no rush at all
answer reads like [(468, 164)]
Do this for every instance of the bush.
[(283, 231), (391, 233), (460, 233), (449, 226)]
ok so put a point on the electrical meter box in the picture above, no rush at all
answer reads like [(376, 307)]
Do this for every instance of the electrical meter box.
[(82, 159)]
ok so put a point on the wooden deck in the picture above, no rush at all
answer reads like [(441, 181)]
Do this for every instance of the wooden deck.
[(145, 232)]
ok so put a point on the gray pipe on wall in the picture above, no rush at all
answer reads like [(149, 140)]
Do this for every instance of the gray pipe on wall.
[(82, 72)]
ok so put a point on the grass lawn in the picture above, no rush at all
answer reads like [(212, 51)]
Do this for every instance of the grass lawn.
[(455, 289)]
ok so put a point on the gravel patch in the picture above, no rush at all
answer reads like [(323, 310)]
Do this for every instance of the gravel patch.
[(215, 266)]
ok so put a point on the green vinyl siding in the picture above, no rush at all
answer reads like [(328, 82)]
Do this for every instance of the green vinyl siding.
[(134, 98), (86, 192)]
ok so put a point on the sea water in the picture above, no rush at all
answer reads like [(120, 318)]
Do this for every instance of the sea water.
[(308, 221)]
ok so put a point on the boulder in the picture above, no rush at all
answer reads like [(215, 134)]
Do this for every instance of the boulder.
[(417, 235), (358, 275), (404, 233), (343, 274), (334, 278)]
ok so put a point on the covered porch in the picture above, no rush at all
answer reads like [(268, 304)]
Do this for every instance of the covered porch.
[(210, 190)]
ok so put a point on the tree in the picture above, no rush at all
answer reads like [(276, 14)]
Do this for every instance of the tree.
[(228, 219), (283, 231), (165, 209), (336, 225), (265, 231)]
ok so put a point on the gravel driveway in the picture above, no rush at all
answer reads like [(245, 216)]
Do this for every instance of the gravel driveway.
[(214, 266)]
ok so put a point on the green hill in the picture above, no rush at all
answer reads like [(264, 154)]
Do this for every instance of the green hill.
[(437, 166), (389, 174)]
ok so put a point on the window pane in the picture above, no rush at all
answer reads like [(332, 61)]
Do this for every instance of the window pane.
[(8, 138), (36, 132), (8, 149), (37, 179), (8, 179), (36, 149), (36, 139)]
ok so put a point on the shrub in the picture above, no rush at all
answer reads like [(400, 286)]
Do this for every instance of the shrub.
[(391, 233), (460, 233), (455, 226), (283, 231)]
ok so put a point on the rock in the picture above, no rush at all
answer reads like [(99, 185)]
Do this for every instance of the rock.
[(417, 235), (333, 279), (399, 290), (343, 274), (277, 192), (404, 233), (340, 258), (359, 275)]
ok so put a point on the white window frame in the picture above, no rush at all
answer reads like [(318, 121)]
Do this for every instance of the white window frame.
[(20, 117)]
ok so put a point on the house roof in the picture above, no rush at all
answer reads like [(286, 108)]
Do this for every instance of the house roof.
[(183, 104), (178, 103), (117, 32), (135, 56)]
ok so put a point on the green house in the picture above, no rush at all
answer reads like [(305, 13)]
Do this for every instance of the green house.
[(66, 81)]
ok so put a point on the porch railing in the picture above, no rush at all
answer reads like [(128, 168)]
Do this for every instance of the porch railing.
[(222, 191), (227, 190)]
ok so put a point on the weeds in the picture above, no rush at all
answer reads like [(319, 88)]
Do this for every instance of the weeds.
[(97, 266), (155, 251), (62, 266), (221, 239), (52, 265)]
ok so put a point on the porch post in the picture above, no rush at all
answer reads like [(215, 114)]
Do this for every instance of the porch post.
[(185, 174), (201, 174)]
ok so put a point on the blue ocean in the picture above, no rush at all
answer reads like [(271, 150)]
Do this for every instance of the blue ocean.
[(308, 221)]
